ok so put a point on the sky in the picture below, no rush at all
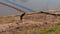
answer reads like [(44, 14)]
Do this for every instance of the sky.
[(36, 5)]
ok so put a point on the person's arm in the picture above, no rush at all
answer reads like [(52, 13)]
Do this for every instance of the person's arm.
[(21, 16)]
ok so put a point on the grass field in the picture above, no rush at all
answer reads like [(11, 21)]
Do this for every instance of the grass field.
[(33, 24), (51, 30)]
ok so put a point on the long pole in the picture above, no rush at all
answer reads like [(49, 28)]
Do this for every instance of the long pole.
[(21, 16), (11, 7)]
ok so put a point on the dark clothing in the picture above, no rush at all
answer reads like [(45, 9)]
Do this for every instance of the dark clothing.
[(21, 16)]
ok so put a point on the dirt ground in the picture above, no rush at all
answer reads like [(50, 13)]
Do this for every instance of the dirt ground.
[(12, 25)]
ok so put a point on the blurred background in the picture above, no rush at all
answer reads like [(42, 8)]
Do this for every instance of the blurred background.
[(30, 6)]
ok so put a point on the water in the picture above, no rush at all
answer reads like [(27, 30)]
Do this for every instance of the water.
[(36, 5), (5, 11)]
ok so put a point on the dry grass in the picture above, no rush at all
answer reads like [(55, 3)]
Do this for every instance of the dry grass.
[(32, 24)]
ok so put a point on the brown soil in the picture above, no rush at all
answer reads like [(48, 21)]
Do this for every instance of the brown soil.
[(10, 24)]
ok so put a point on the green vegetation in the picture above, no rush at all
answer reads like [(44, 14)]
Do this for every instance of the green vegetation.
[(51, 30), (55, 29)]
